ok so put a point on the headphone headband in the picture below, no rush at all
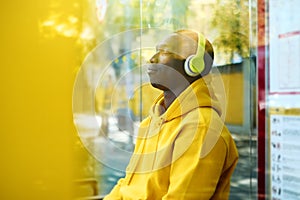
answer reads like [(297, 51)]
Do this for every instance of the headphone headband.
[(194, 64)]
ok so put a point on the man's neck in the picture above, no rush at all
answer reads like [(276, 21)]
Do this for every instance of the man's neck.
[(169, 97)]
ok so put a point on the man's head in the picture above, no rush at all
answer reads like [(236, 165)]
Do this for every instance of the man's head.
[(167, 71)]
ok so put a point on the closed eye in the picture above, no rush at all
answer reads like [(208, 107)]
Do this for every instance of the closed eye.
[(163, 51)]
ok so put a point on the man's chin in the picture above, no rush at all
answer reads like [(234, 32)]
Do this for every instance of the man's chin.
[(160, 87)]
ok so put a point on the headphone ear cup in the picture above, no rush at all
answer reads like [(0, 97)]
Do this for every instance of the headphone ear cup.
[(194, 64)]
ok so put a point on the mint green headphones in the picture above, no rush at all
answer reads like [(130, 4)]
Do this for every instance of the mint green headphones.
[(194, 64)]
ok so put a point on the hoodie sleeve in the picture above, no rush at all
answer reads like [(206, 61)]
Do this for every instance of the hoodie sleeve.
[(192, 177), (116, 193)]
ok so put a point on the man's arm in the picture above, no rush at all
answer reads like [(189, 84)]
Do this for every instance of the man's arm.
[(192, 177)]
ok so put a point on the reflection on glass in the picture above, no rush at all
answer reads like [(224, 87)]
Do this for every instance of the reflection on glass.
[(112, 94)]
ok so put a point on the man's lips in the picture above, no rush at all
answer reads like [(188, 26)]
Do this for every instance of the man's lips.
[(151, 70)]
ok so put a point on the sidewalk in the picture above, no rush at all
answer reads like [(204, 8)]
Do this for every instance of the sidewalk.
[(244, 179)]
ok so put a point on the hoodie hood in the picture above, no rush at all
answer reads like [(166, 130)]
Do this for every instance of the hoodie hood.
[(199, 94)]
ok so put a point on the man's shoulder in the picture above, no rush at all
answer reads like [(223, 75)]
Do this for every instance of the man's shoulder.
[(201, 115)]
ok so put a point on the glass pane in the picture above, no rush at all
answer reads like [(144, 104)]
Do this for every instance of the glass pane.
[(112, 94)]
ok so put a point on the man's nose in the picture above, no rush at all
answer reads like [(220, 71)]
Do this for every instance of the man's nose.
[(154, 59)]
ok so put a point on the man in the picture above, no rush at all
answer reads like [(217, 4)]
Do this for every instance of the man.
[(183, 150)]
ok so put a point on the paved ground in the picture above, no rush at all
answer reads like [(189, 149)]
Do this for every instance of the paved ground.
[(244, 179)]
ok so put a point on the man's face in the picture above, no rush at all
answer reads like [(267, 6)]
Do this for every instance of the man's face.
[(166, 69)]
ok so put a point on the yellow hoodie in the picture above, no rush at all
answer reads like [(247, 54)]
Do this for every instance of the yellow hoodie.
[(184, 153)]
